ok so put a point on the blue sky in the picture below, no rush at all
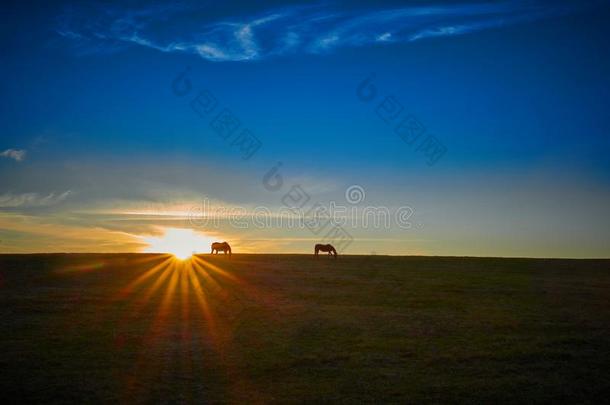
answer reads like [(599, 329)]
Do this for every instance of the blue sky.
[(93, 137)]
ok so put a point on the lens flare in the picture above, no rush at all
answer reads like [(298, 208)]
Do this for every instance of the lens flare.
[(181, 243)]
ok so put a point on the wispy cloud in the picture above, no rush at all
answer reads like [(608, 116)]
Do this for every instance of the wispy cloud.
[(289, 30), (16, 154), (28, 200)]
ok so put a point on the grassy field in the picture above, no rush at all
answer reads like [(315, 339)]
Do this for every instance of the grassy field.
[(291, 328)]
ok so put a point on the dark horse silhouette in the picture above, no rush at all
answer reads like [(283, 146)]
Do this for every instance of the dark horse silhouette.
[(221, 247), (326, 248)]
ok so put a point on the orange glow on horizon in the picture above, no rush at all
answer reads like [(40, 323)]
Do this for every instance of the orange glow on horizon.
[(181, 243)]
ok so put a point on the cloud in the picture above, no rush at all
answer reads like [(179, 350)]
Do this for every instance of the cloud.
[(16, 154), (30, 234), (29, 200), (289, 30)]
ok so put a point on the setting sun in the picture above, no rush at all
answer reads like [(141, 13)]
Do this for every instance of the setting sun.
[(182, 243)]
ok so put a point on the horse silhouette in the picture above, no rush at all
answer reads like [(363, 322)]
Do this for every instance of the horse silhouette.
[(221, 247), (326, 248)]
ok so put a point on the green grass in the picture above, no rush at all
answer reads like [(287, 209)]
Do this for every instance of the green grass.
[(291, 328)]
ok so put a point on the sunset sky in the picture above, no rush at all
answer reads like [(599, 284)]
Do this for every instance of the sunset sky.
[(106, 144)]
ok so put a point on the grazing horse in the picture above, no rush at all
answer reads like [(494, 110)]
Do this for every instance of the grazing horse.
[(326, 248), (221, 247)]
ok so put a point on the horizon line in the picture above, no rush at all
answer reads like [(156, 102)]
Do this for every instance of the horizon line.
[(307, 254)]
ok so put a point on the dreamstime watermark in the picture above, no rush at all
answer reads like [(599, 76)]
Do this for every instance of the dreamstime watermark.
[(316, 218), (354, 194), (226, 125), (328, 223), (296, 199), (406, 126)]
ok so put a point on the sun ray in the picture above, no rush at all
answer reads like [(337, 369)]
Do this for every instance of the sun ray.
[(146, 275), (87, 267), (140, 304), (214, 268), (210, 285), (151, 257), (190, 299), (169, 291), (201, 298)]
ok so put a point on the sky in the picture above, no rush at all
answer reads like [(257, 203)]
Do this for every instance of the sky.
[(468, 128)]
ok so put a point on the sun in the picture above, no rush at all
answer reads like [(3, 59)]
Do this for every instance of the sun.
[(182, 243)]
